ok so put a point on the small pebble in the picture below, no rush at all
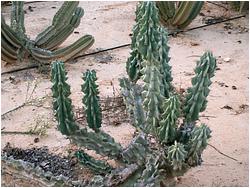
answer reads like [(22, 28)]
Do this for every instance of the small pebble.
[(36, 140), (234, 87), (227, 59)]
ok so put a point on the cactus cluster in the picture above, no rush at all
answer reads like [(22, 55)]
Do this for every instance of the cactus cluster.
[(169, 116), (178, 14), (168, 138), (157, 110), (16, 45)]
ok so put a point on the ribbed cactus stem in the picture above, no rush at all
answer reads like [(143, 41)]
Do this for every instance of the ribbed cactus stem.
[(195, 101), (152, 96), (150, 174), (166, 132), (181, 15), (148, 44), (148, 35), (101, 142), (91, 100), (61, 101), (98, 166), (176, 154), (164, 59), (133, 64), (197, 143), (17, 17), (137, 150)]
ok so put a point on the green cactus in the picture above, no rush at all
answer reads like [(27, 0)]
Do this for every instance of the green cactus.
[(60, 23), (197, 143), (17, 17), (132, 98), (179, 14), (91, 100), (164, 59), (17, 45), (101, 142), (97, 166), (63, 54), (61, 101), (133, 64), (126, 87), (177, 154), (148, 35), (195, 101), (150, 175), (137, 150), (168, 124)]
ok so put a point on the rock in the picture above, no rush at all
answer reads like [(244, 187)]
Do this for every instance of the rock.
[(227, 59)]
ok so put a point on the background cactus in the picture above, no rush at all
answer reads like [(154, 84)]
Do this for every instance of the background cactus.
[(91, 100), (178, 14), (16, 45)]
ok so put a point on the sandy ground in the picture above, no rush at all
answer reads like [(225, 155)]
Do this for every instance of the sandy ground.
[(110, 23)]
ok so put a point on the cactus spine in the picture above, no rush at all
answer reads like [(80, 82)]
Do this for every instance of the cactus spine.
[(62, 102), (196, 95), (91, 100)]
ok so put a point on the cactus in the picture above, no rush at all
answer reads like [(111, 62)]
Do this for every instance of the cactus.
[(91, 100), (17, 17), (195, 101), (61, 103), (133, 64), (164, 59), (181, 15), (177, 154), (16, 45), (168, 125), (197, 143), (137, 151), (101, 142), (150, 175), (132, 98), (63, 25), (97, 166), (148, 39)]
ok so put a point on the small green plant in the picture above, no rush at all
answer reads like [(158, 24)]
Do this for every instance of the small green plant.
[(16, 45)]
